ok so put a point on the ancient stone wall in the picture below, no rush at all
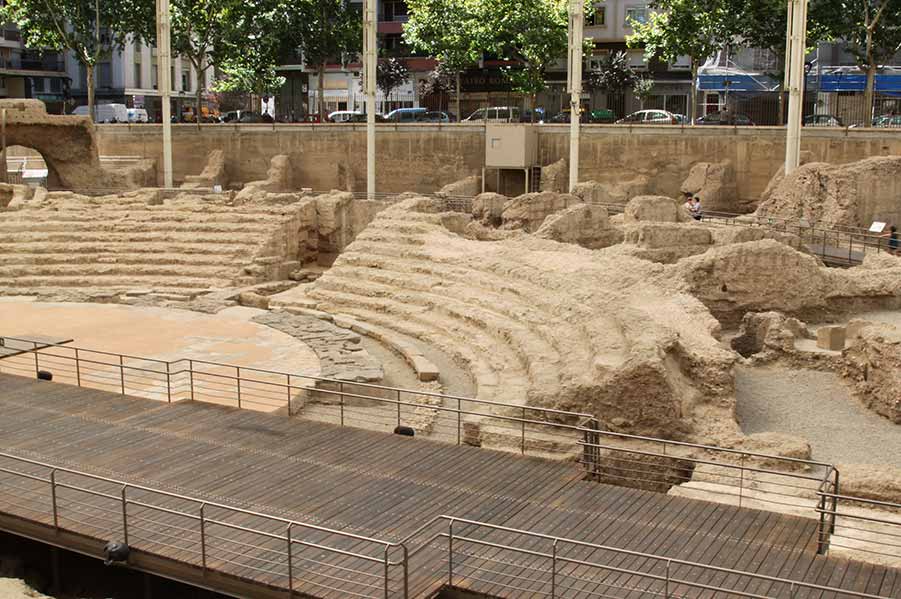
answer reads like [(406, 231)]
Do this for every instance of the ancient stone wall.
[(425, 158)]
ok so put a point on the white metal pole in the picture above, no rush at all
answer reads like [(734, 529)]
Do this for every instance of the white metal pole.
[(796, 45), (369, 70), (574, 77), (164, 80)]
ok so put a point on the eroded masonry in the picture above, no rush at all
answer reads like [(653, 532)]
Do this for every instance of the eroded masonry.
[(777, 332)]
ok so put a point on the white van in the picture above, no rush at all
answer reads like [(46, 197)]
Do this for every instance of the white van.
[(137, 115), (105, 113)]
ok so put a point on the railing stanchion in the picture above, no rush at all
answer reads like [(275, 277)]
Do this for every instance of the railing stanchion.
[(666, 582), (238, 379), (522, 445), (341, 400), (406, 572), (53, 499), (398, 407), (741, 480), (290, 561), (450, 553), (289, 395), (124, 515), (459, 422), (554, 570), (834, 504), (122, 374), (191, 377), (77, 369), (203, 536), (37, 368), (386, 573), (168, 384)]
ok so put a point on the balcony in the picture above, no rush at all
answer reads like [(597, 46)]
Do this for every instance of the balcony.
[(48, 64)]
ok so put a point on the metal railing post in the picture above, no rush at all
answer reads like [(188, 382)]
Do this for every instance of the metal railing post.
[(37, 368), (406, 572), (522, 445), (53, 499), (77, 368), (398, 407), (289, 395), (341, 398), (666, 582), (122, 374), (168, 384), (124, 515), (387, 573), (741, 480), (459, 422), (554, 570), (450, 553), (834, 504), (191, 377), (290, 561), (203, 536), (238, 377)]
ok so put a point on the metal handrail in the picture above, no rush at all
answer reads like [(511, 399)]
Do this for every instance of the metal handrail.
[(124, 501), (555, 556)]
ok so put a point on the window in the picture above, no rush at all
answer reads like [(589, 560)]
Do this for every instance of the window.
[(172, 77), (186, 80), (56, 86), (396, 11), (104, 74), (154, 75), (639, 14), (393, 41), (37, 84), (137, 82), (597, 17)]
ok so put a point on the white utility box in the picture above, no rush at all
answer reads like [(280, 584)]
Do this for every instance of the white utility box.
[(510, 145)]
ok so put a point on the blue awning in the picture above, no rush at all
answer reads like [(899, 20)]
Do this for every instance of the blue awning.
[(736, 83), (856, 82)]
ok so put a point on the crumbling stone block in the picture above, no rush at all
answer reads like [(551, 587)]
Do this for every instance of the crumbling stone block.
[(831, 338), (655, 208)]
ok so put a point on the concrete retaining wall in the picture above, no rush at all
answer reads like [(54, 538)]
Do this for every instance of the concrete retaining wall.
[(426, 157)]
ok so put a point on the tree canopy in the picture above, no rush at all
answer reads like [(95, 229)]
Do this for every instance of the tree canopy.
[(91, 29)]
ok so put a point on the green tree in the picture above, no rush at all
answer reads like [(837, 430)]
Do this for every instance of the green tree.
[(531, 34), (869, 29), (694, 28), (614, 76), (196, 28), (240, 77), (445, 29), (390, 74), (324, 30), (439, 82), (642, 89), (91, 29)]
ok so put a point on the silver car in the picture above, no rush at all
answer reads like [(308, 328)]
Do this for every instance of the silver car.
[(649, 117)]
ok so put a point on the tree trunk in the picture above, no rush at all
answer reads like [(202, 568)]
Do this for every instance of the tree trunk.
[(89, 82), (457, 100), (320, 93), (694, 91), (868, 94), (200, 73)]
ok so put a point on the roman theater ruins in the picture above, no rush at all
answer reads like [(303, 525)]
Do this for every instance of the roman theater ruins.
[(770, 328)]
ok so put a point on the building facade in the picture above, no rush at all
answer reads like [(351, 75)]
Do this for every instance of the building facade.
[(25, 73)]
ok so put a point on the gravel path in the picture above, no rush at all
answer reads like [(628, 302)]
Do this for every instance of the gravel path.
[(817, 406)]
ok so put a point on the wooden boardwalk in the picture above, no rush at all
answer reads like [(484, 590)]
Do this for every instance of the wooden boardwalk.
[(369, 484)]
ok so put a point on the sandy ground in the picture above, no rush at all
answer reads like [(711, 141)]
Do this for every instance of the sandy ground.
[(13, 588), (817, 406), (162, 333)]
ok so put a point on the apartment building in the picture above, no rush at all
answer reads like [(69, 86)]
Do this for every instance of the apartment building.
[(129, 77), (26, 73)]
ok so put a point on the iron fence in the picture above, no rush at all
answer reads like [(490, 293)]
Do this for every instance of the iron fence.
[(859, 525)]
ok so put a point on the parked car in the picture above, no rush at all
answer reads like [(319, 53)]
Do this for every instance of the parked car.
[(434, 116), (725, 118), (822, 120), (342, 116), (565, 116), (601, 115), (496, 114), (887, 120), (649, 117), (137, 115), (232, 116), (105, 113), (405, 115), (683, 119), (360, 117), (254, 117)]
